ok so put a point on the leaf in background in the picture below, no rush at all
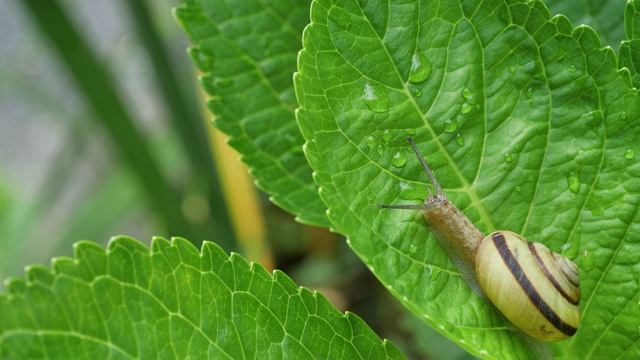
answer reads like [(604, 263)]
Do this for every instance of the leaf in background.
[(528, 125), (247, 51), (604, 16), (173, 302), (630, 48)]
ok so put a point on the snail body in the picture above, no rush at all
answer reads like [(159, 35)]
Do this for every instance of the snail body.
[(536, 289)]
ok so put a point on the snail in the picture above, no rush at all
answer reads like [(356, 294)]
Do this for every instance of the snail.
[(536, 289)]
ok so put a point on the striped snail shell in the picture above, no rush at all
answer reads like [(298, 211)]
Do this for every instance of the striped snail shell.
[(536, 289), (541, 296)]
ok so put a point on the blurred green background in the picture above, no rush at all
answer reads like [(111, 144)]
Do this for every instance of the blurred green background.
[(103, 132)]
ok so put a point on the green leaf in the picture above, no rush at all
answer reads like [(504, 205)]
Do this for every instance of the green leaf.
[(604, 16), (173, 302), (630, 49), (247, 51), (529, 126)]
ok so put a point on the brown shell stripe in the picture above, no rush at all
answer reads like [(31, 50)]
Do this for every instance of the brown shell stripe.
[(549, 276), (514, 267)]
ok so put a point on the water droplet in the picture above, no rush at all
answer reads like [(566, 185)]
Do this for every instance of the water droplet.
[(529, 93), (417, 93), (386, 135), (629, 154), (399, 159), (565, 246), (589, 115), (380, 149), (588, 261), (221, 82), (466, 93), (573, 196), (434, 272), (420, 68), (572, 69), (573, 181), (466, 107), (405, 186), (623, 115), (512, 69), (452, 125), (459, 139), (508, 158), (518, 188), (371, 142), (413, 249), (376, 98), (410, 132)]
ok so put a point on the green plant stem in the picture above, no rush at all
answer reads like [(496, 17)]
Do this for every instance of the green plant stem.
[(187, 121), (96, 84)]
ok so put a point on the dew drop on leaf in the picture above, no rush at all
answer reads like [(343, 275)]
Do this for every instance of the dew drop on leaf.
[(376, 98), (386, 135), (629, 154), (466, 93), (417, 93), (512, 69), (466, 107), (452, 125), (420, 68), (508, 158), (410, 132), (573, 181), (518, 188), (588, 261), (529, 93), (380, 149), (405, 186), (371, 142), (623, 115), (221, 82), (572, 69), (399, 159), (459, 139), (413, 249)]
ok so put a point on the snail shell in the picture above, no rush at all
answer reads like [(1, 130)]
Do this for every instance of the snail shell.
[(536, 289)]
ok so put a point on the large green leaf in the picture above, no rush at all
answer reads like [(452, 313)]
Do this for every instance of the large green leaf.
[(529, 126), (173, 302), (247, 51)]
